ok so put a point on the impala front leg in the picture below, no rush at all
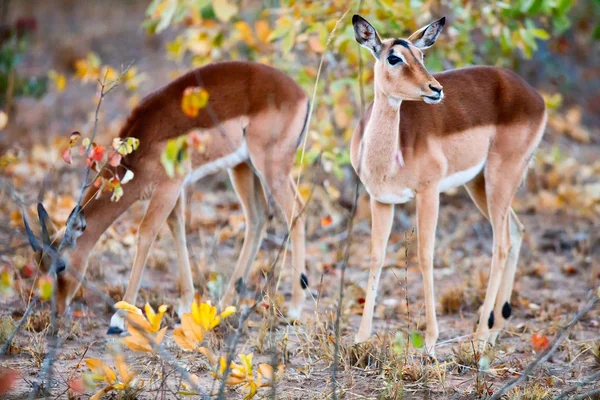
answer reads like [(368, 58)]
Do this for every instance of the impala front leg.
[(382, 217), (428, 203)]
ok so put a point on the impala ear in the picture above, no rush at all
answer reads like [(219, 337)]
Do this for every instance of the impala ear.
[(47, 226), (77, 223), (426, 36), (366, 35)]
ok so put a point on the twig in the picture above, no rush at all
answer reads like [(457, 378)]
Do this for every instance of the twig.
[(591, 299), (592, 378), (587, 395), (12, 335), (338, 316)]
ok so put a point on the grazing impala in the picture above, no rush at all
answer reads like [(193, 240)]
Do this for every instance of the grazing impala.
[(255, 118), (425, 134)]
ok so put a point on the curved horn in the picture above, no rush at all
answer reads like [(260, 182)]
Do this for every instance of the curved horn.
[(44, 218), (33, 240)]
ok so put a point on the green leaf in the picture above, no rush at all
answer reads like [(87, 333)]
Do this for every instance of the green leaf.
[(484, 363), (540, 34), (416, 340), (560, 24), (399, 344), (166, 17), (174, 155)]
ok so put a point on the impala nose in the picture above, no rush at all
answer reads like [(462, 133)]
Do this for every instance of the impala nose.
[(436, 89)]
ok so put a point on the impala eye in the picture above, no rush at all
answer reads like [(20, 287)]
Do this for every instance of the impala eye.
[(393, 60)]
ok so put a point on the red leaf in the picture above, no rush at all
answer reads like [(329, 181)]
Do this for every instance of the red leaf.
[(28, 270), (540, 342), (77, 385), (96, 155), (66, 155), (7, 379)]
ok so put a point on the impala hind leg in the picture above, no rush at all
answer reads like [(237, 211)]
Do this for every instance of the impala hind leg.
[(285, 194), (502, 309), (250, 191), (176, 222), (164, 198), (382, 217), (502, 178)]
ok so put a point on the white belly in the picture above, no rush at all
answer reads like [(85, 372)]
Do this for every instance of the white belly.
[(229, 161), (460, 178), (399, 197)]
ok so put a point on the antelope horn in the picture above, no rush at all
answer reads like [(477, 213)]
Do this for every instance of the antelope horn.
[(44, 218), (33, 240)]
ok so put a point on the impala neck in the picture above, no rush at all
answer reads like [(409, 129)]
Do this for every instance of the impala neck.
[(382, 153)]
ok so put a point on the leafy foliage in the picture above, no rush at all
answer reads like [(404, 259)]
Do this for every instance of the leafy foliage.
[(144, 330), (293, 36)]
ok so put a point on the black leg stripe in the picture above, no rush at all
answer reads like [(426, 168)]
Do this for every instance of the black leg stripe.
[(303, 281), (506, 310), (491, 320)]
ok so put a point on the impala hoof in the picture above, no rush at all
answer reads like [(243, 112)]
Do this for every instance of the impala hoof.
[(117, 324), (114, 330), (294, 313)]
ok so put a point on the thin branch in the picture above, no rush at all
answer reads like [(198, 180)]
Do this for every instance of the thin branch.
[(17, 328), (563, 332), (592, 378), (587, 395)]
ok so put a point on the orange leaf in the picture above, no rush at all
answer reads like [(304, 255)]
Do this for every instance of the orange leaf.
[(326, 221), (540, 342), (194, 98)]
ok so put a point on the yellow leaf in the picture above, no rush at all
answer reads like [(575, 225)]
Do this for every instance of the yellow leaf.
[(208, 354), (228, 311), (137, 342), (138, 322), (58, 80), (191, 328), (45, 287), (126, 376), (183, 341), (232, 381), (160, 335), (123, 305), (245, 31), (224, 9), (266, 371), (194, 98), (252, 388), (101, 393), (95, 365), (262, 31), (109, 375)]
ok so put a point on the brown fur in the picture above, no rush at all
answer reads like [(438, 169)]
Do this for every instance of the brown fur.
[(479, 128), (248, 103)]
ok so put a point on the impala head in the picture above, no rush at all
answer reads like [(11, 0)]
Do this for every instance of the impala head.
[(52, 246), (399, 70)]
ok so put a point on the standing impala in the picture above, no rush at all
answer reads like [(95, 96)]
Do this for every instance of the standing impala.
[(414, 145), (255, 118)]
